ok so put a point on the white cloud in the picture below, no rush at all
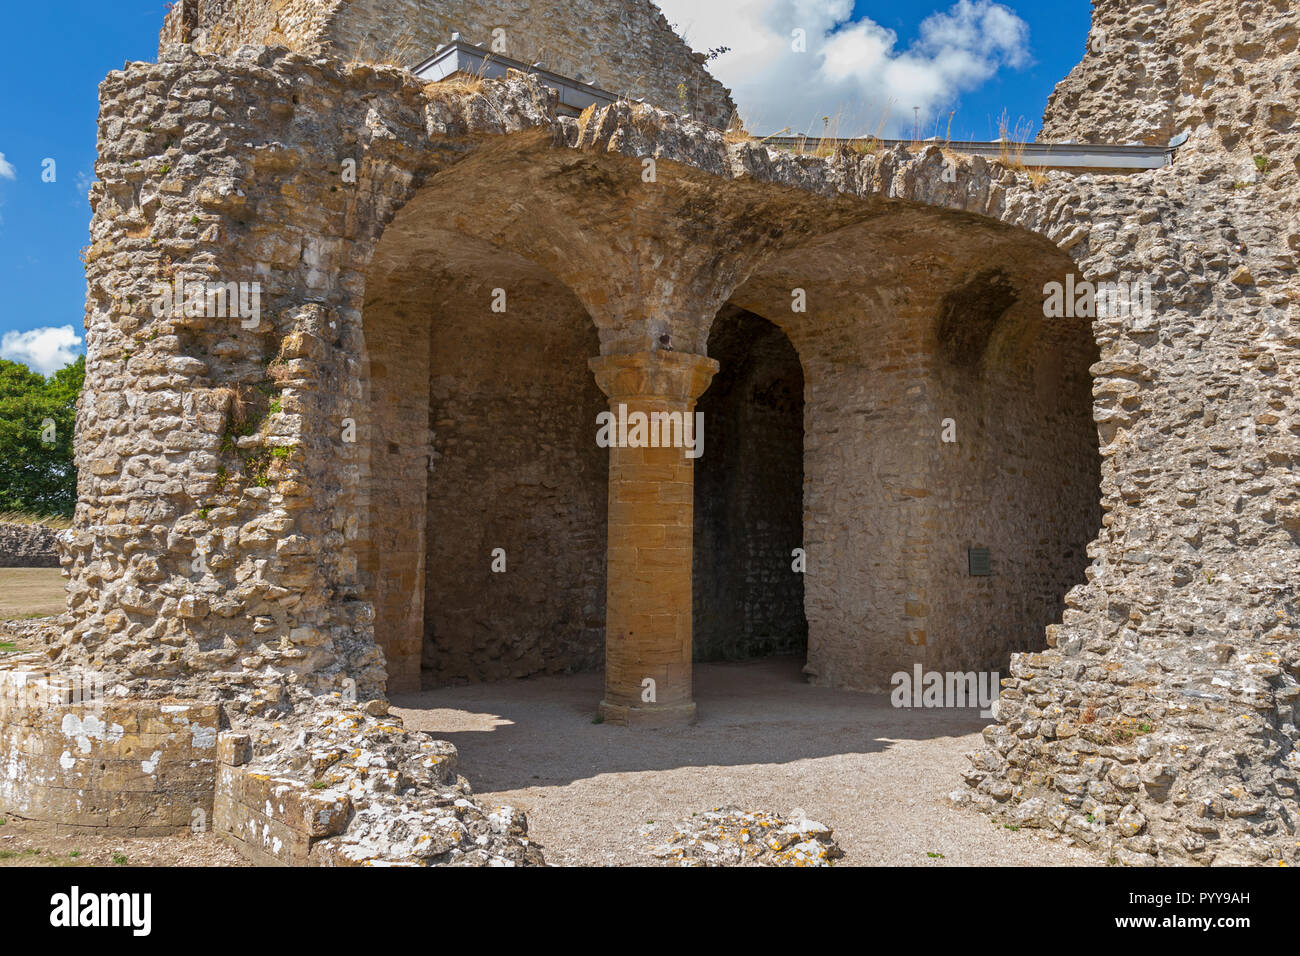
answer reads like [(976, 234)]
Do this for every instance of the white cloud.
[(7, 170), (44, 350), (853, 70)]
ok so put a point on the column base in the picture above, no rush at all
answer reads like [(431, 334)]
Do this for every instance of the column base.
[(677, 715)]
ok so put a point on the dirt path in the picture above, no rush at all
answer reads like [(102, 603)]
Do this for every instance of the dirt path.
[(765, 740), (22, 844)]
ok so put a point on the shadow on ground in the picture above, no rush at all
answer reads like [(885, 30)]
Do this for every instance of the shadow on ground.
[(541, 731)]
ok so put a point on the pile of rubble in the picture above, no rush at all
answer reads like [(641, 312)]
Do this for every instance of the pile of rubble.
[(727, 836), (344, 785)]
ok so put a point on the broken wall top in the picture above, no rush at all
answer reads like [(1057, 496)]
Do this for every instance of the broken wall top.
[(624, 46)]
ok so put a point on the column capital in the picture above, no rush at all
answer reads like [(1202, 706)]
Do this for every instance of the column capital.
[(649, 376)]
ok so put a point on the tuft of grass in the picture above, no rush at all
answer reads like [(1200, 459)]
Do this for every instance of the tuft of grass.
[(406, 50), (936, 856), (598, 719), (57, 522), (736, 132), (454, 87), (119, 859), (1014, 139)]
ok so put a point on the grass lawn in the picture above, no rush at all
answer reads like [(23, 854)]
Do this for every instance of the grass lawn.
[(30, 592)]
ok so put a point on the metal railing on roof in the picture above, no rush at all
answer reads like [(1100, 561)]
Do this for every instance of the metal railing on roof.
[(459, 57), (466, 59), (1035, 155)]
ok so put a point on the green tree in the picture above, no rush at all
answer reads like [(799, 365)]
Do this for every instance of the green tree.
[(37, 420)]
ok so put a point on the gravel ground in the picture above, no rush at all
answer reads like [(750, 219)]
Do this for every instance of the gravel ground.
[(765, 740)]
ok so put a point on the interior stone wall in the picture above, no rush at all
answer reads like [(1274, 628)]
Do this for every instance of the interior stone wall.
[(393, 417), (748, 600), (896, 339), (869, 419), (482, 435), (1022, 478), (516, 466)]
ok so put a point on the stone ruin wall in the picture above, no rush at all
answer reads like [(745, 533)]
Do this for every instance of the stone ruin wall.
[(482, 438), (1158, 725), (1024, 483), (28, 546), (890, 508), (1224, 71), (479, 442), (623, 46)]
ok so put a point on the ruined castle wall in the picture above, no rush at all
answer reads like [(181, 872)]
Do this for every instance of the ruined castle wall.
[(1160, 719), (225, 25), (1223, 71), (28, 546), (890, 508), (217, 489), (624, 46), (390, 541), (868, 426)]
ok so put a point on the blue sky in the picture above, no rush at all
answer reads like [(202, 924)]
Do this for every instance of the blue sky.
[(54, 55), (1058, 31)]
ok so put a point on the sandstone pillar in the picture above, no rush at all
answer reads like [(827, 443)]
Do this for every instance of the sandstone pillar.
[(651, 514)]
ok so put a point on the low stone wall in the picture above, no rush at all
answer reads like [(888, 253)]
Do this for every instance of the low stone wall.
[(300, 781), (75, 760), (273, 821), (28, 546), (349, 786)]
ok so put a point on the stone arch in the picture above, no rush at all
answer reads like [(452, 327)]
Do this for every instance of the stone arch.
[(918, 321), (719, 210), (481, 540), (748, 595), (249, 189)]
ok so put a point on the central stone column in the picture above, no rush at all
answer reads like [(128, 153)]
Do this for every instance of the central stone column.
[(651, 526)]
